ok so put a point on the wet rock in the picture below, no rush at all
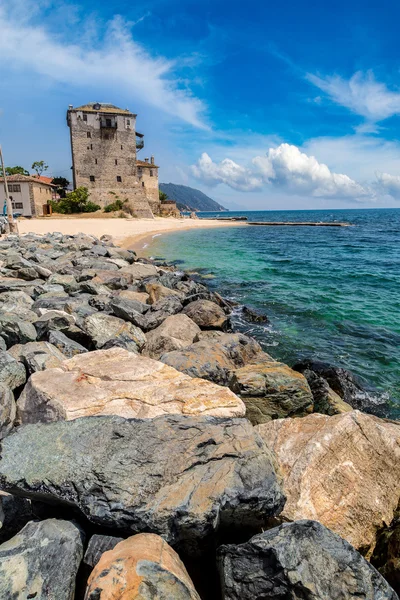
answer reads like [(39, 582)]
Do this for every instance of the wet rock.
[(142, 566), (272, 390), (15, 331), (41, 561), (207, 315), (343, 471), (348, 387), (176, 332), (102, 328), (68, 347), (117, 382), (181, 477), (326, 401), (299, 560), (37, 356), (254, 316)]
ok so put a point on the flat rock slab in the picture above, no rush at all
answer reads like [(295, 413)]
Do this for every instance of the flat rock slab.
[(180, 477), (343, 471), (118, 382), (299, 560), (41, 561), (143, 566)]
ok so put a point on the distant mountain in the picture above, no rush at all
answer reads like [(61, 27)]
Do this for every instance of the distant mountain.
[(189, 198)]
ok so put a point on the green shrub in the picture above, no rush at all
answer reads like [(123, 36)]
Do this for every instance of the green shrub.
[(118, 204), (75, 202)]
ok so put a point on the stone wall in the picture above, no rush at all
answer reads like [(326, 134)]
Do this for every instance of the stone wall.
[(40, 194)]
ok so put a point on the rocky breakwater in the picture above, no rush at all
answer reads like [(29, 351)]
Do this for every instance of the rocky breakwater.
[(139, 434)]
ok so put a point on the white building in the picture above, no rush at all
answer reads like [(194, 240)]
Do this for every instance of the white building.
[(28, 194)]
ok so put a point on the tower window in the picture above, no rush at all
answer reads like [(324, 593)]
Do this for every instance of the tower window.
[(108, 122), (95, 161), (122, 147), (92, 178), (151, 172), (84, 117), (119, 178), (116, 161), (142, 183), (128, 121), (88, 134), (91, 146)]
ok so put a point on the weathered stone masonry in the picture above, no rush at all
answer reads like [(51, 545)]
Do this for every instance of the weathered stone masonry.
[(104, 145)]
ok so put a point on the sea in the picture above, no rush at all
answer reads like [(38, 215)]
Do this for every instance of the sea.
[(330, 293)]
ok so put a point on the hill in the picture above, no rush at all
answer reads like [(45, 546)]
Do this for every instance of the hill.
[(187, 197)]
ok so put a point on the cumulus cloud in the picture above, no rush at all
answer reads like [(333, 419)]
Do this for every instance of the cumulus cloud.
[(284, 167), (389, 184), (362, 94), (116, 62)]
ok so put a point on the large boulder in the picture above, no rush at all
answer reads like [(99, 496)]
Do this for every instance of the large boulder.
[(142, 566), (299, 560), (181, 477), (215, 360), (103, 328), (207, 315), (272, 390), (343, 471), (158, 292), (12, 372), (326, 401), (37, 356), (14, 330), (140, 271), (41, 561), (118, 382), (175, 333)]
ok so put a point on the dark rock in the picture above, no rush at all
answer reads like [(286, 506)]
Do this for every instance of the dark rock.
[(52, 320), (15, 513), (15, 331), (254, 316), (128, 309), (386, 555), (348, 387), (326, 401), (303, 560), (46, 557), (12, 373), (50, 303), (67, 346), (98, 544), (181, 477), (37, 356)]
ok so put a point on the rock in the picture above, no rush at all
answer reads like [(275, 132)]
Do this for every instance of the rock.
[(41, 561), (181, 477), (140, 270), (96, 289), (326, 401), (158, 292), (12, 373), (7, 410), (52, 320), (68, 282), (50, 303), (3, 345), (176, 332), (254, 316), (37, 356), (348, 387), (386, 556), (299, 560), (15, 513), (343, 471), (143, 566), (101, 328), (68, 347), (18, 302), (207, 315), (272, 390), (112, 279), (129, 310), (15, 331), (216, 360), (117, 382), (130, 295), (98, 544)]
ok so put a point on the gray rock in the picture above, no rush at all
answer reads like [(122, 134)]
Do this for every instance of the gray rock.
[(15, 513), (37, 356), (207, 315), (181, 477), (50, 303), (102, 328), (98, 544), (7, 410), (15, 331), (52, 320), (68, 282), (303, 560), (12, 373), (41, 561), (67, 346), (128, 309)]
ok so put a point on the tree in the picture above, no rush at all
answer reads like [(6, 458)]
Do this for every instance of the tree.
[(14, 171), (163, 196), (39, 166), (75, 202), (62, 184)]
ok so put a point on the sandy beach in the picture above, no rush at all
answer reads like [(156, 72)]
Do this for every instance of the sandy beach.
[(128, 233)]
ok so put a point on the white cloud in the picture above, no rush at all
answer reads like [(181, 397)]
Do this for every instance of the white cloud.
[(362, 94), (285, 168), (118, 62), (389, 184), (228, 172)]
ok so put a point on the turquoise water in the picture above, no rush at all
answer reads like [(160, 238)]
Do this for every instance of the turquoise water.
[(330, 293)]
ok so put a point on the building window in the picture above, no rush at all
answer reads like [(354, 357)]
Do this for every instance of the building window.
[(9, 187), (91, 146), (19, 205), (95, 161), (92, 178), (128, 122), (116, 161), (16, 188), (108, 122), (151, 172), (84, 117), (122, 147), (88, 134), (119, 178)]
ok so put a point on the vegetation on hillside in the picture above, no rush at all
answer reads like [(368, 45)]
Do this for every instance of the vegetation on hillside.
[(188, 198)]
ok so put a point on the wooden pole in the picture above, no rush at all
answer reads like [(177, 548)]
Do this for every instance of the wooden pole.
[(12, 225)]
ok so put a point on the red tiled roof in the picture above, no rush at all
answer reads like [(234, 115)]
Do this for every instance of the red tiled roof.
[(26, 178)]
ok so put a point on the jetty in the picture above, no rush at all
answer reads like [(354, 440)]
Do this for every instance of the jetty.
[(300, 224)]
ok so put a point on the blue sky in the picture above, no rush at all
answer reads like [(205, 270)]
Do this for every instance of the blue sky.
[(264, 106)]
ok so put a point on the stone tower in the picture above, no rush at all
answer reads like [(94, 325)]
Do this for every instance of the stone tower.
[(104, 146)]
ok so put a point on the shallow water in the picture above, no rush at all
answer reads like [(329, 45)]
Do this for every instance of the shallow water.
[(330, 293)]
